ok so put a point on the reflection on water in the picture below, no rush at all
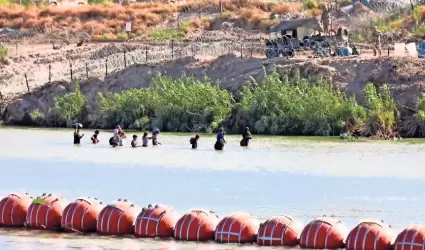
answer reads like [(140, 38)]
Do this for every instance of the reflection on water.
[(305, 179)]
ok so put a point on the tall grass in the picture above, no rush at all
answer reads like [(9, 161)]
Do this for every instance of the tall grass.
[(71, 105), (280, 105), (185, 104)]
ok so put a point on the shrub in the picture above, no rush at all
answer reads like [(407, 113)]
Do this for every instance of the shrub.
[(182, 105), (4, 51), (130, 108), (188, 104), (381, 110), (70, 105), (282, 106), (166, 34), (37, 117)]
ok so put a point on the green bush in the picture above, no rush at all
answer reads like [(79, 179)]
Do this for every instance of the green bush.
[(182, 105), (381, 109), (37, 117), (189, 104), (130, 108), (282, 106), (70, 105), (161, 34), (4, 51)]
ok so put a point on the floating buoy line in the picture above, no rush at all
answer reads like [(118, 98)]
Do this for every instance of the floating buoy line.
[(121, 218)]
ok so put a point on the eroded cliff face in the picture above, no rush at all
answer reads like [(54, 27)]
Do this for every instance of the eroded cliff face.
[(405, 77)]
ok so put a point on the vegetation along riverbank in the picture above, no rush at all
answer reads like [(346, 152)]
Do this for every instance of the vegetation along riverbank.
[(278, 104)]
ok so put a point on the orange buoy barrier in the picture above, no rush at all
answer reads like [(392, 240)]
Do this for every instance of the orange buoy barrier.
[(81, 215), (14, 208), (411, 238), (323, 233), (117, 218), (45, 212), (237, 228), (280, 230), (196, 225), (155, 221), (370, 235)]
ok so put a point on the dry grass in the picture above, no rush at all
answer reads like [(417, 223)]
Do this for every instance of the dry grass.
[(97, 20), (108, 21)]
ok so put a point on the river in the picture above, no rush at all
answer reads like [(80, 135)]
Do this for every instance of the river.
[(298, 176)]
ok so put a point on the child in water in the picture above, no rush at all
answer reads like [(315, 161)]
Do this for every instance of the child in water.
[(194, 141), (94, 138), (134, 142), (145, 139)]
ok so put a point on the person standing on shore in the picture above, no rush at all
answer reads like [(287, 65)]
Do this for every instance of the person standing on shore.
[(376, 36), (77, 136), (246, 136)]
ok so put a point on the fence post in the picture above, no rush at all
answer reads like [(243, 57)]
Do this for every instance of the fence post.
[(241, 49), (16, 48), (87, 70), (146, 54), (252, 47), (70, 68), (106, 66), (50, 72), (193, 50), (220, 4), (172, 48), (125, 61), (26, 81)]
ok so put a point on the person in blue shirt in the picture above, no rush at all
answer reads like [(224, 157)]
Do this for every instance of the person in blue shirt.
[(154, 137), (219, 144)]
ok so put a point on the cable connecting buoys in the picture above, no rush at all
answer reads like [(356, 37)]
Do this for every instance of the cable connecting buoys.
[(411, 238), (81, 215), (14, 208), (45, 212), (237, 228), (323, 233), (155, 221), (280, 230), (372, 235), (196, 225), (117, 218)]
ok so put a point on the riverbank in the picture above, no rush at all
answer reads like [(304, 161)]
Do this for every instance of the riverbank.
[(279, 97)]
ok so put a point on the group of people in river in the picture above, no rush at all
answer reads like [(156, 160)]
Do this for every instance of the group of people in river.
[(119, 134)]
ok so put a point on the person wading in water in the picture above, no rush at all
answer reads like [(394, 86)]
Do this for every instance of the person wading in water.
[(77, 136), (219, 144), (194, 141), (246, 136), (154, 137)]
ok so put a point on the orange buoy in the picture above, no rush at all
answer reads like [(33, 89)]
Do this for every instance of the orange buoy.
[(14, 208), (117, 218), (81, 215), (155, 221), (279, 230), (196, 225), (323, 233), (237, 228), (45, 212), (370, 235), (411, 238)]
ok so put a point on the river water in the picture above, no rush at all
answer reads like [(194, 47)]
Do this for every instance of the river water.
[(301, 177)]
